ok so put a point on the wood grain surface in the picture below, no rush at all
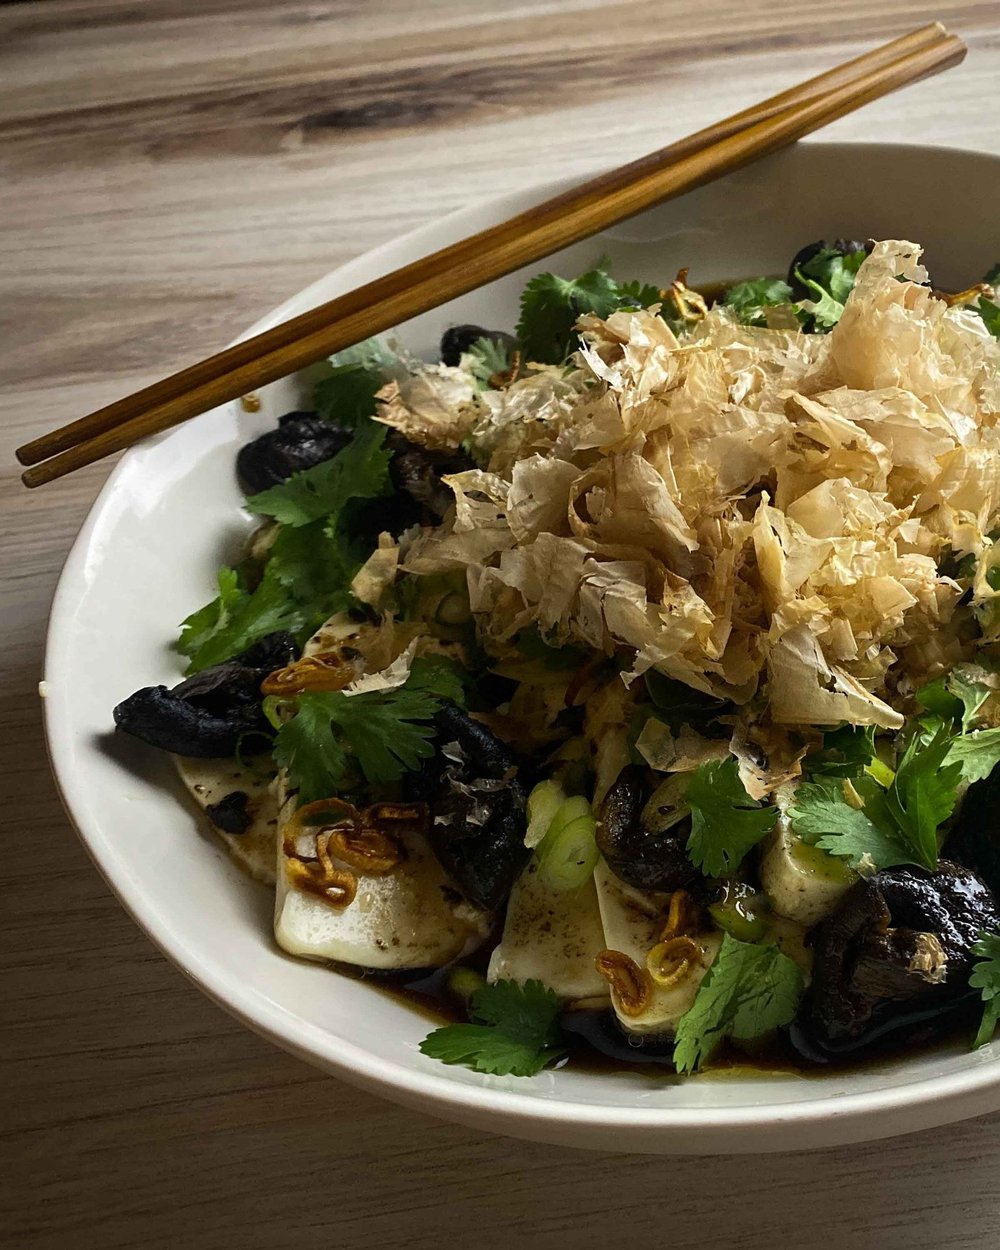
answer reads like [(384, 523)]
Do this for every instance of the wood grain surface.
[(169, 169)]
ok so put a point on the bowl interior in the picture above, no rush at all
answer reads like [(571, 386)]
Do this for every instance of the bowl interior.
[(169, 516)]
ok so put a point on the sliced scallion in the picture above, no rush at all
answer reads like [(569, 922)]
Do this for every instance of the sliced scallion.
[(543, 803), (568, 854)]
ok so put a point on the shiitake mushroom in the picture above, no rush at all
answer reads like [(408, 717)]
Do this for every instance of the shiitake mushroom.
[(300, 441), (213, 713), (417, 472), (896, 953), (635, 851), (458, 339), (477, 807), (232, 812), (974, 839)]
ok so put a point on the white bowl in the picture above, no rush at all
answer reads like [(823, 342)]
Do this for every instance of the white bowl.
[(170, 514)]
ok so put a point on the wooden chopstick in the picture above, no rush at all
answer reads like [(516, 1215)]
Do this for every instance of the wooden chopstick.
[(204, 371), (481, 258)]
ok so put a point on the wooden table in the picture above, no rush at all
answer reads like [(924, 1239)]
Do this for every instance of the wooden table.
[(170, 169)]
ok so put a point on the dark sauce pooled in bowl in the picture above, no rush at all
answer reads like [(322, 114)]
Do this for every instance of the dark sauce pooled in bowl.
[(595, 1043)]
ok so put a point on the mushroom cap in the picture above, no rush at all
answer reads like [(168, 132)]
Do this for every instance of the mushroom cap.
[(896, 952), (635, 853)]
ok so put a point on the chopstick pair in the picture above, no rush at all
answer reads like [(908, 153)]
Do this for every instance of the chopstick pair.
[(483, 257)]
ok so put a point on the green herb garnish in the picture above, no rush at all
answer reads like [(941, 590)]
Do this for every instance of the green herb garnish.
[(748, 993), (551, 306), (515, 1031), (725, 821), (346, 394), (750, 300), (986, 978)]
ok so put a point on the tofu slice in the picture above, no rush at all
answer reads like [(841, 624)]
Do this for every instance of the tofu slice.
[(632, 920), (210, 781), (554, 937), (802, 882), (412, 917)]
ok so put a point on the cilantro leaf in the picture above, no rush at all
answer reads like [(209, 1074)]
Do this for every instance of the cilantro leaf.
[(833, 270), (515, 1031), (439, 676), (986, 978), (360, 471), (955, 697), (313, 756), (551, 306), (237, 623), (346, 394), (680, 704), (824, 309), (385, 733), (989, 310), (485, 358), (310, 564), (860, 819), (201, 626), (847, 751), (749, 992), (636, 294), (970, 693), (992, 275), (315, 563), (923, 793), (725, 821), (976, 753), (485, 1049), (829, 273), (822, 815), (749, 299)]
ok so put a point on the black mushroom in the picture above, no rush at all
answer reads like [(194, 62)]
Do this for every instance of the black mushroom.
[(895, 954), (419, 496), (458, 339), (417, 472), (974, 839), (477, 807), (232, 812), (805, 254), (635, 851), (213, 713), (299, 441)]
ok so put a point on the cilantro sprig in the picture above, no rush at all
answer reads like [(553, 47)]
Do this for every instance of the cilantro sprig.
[(678, 704), (863, 821), (868, 813), (346, 392), (956, 697), (551, 306), (515, 1031), (749, 992), (986, 978), (237, 619), (310, 564), (988, 308), (360, 471), (380, 734), (750, 300), (486, 358), (829, 275), (725, 821)]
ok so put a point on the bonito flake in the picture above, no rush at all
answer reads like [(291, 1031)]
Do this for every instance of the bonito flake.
[(756, 512)]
